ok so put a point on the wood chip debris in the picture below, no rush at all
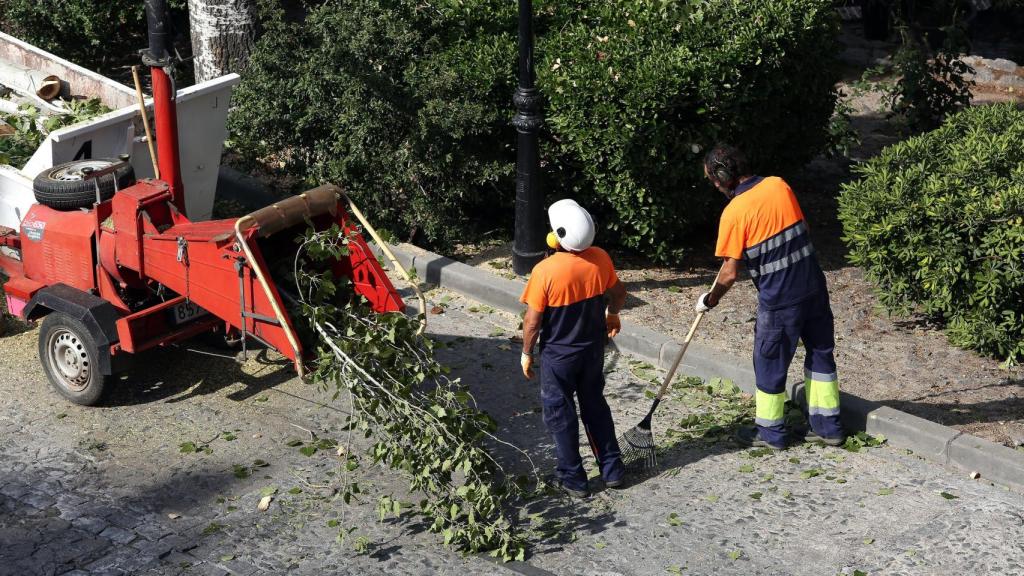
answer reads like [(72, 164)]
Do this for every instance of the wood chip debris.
[(264, 503)]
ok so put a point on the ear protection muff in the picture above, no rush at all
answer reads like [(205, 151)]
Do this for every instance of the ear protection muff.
[(723, 173), (552, 240)]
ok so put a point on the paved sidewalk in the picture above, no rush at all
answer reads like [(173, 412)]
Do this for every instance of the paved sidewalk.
[(107, 491)]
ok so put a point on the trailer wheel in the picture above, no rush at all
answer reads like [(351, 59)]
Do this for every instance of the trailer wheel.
[(68, 353), (62, 187)]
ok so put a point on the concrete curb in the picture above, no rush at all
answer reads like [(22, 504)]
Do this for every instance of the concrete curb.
[(926, 438)]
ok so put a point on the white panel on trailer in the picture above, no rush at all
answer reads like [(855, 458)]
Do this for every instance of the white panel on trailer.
[(202, 114)]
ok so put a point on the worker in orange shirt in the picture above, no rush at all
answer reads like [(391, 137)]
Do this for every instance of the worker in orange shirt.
[(573, 299), (764, 227)]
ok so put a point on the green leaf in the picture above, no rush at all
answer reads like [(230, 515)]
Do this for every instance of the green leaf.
[(308, 450), (735, 555), (240, 471), (759, 452), (600, 545), (295, 490), (869, 541), (756, 495), (711, 498), (187, 447), (268, 491), (674, 520), (948, 496), (747, 468), (794, 460), (810, 473), (885, 491)]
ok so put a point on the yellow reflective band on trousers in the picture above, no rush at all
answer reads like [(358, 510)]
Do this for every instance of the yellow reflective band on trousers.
[(822, 391), (769, 409)]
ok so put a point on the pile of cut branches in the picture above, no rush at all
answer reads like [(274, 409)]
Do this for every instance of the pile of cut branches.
[(420, 422), (28, 128)]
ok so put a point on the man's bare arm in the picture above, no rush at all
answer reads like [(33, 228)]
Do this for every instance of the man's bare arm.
[(531, 329), (727, 276), (616, 297)]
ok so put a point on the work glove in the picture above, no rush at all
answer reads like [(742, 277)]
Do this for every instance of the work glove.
[(613, 324), (526, 360), (702, 303)]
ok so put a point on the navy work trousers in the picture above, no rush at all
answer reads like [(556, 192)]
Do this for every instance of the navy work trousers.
[(579, 374), (775, 340)]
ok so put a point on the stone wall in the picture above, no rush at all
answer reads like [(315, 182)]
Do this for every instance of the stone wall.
[(999, 73)]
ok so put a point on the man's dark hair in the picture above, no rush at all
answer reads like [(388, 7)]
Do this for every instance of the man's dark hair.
[(726, 164)]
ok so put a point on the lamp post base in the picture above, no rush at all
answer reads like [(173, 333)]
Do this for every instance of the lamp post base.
[(523, 263)]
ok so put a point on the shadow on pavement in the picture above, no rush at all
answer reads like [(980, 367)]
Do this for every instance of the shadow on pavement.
[(47, 527), (1009, 407), (490, 369), (179, 374)]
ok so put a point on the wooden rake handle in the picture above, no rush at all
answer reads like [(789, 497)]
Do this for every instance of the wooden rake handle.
[(682, 351), (679, 357)]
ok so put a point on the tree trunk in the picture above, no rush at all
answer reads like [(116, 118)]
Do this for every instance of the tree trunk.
[(223, 35)]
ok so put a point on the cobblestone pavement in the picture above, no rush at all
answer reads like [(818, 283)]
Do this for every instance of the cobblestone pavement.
[(106, 490)]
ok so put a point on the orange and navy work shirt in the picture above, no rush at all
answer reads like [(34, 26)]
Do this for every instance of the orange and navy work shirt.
[(764, 226), (568, 288)]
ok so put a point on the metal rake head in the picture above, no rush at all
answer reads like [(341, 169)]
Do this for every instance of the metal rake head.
[(638, 451)]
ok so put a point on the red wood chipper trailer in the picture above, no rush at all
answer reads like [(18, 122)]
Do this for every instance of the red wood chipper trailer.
[(113, 266)]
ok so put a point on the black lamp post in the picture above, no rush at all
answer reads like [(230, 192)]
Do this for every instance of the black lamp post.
[(528, 245)]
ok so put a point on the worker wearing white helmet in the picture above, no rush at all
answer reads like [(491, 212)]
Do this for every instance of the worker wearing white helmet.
[(573, 298)]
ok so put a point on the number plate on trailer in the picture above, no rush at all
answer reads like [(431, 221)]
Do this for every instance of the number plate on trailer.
[(186, 311)]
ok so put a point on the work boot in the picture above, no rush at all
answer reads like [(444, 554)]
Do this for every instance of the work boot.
[(812, 436), (574, 492), (749, 436), (552, 481), (616, 484)]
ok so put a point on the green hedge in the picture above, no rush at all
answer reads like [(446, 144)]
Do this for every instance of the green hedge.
[(100, 35), (937, 221), (408, 105)]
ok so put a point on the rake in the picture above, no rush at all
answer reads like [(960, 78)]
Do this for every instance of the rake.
[(637, 444)]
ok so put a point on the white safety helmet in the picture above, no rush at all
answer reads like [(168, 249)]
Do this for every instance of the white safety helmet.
[(572, 225)]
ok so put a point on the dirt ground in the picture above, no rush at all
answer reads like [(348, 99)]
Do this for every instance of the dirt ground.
[(901, 362)]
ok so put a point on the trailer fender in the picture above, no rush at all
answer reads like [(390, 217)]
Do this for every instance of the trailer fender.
[(99, 316)]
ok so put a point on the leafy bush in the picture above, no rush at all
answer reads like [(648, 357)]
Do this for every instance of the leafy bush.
[(408, 105), (937, 221), (639, 89), (96, 35), (399, 102)]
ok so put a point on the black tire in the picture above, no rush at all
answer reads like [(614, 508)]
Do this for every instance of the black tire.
[(69, 356), (62, 187)]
